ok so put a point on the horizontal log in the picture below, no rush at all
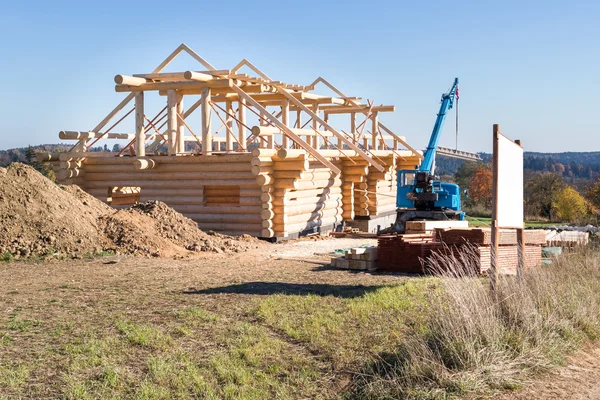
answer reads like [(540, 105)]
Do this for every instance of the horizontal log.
[(355, 109), (175, 85), (175, 200), (354, 178), (245, 193), (143, 164), (257, 170), (47, 156), (224, 226), (305, 201), (202, 217), (129, 80), (282, 219), (296, 165), (183, 167), (170, 184), (264, 179), (70, 173), (70, 164), (308, 208), (295, 194), (267, 233), (267, 224), (261, 161), (267, 215), (104, 157), (197, 76), (224, 179), (83, 135), (288, 229), (263, 153), (355, 170)]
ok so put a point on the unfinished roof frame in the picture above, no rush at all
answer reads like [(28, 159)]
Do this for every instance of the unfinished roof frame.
[(251, 93)]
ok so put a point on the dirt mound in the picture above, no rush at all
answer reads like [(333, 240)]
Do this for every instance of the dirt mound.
[(39, 217), (153, 228)]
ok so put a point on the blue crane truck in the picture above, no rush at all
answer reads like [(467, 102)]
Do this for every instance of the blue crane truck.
[(419, 196)]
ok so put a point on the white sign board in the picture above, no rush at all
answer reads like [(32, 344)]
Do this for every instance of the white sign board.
[(509, 200)]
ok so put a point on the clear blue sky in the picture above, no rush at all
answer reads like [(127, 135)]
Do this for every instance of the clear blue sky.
[(532, 66)]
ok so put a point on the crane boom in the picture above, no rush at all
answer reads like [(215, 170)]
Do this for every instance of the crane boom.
[(447, 103)]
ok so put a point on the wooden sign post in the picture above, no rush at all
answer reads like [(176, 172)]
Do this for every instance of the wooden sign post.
[(507, 199)]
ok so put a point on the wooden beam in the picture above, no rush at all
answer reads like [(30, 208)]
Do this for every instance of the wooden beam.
[(351, 109), (129, 80), (176, 85), (197, 76), (76, 135), (330, 128), (172, 122), (285, 119), (180, 139), (287, 131), (206, 133), (374, 129), (242, 122), (229, 126), (140, 134)]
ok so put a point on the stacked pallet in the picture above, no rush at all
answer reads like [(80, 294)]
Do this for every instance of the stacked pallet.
[(404, 253), (483, 236), (422, 227), (358, 258)]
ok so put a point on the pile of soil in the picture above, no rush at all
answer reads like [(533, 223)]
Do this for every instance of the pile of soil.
[(153, 228), (39, 217)]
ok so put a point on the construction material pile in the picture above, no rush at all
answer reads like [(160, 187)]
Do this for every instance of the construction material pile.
[(357, 258), (404, 253), (40, 218), (447, 247)]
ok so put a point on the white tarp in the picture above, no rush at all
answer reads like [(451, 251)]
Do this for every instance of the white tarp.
[(510, 184)]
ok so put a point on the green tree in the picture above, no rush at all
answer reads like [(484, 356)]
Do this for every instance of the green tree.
[(540, 194), (569, 205), (116, 148)]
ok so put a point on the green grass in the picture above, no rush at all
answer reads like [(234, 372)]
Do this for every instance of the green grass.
[(487, 222), (348, 330), (13, 376)]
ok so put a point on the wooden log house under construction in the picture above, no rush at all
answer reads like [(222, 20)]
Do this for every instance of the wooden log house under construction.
[(288, 174)]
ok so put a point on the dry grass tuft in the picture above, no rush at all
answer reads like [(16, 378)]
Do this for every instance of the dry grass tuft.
[(472, 342)]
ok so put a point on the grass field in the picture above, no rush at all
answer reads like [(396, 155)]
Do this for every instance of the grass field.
[(257, 327), (486, 222)]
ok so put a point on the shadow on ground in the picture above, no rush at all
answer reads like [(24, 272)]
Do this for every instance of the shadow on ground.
[(269, 288)]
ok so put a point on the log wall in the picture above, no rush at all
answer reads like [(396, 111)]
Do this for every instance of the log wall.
[(266, 193)]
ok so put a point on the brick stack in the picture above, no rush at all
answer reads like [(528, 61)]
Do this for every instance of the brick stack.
[(404, 253), (408, 253), (479, 240)]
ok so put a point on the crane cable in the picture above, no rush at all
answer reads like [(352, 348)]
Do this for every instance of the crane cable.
[(457, 97)]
